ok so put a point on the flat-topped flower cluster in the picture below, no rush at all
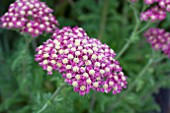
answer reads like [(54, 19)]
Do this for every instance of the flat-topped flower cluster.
[(85, 63), (157, 11), (159, 39), (29, 16)]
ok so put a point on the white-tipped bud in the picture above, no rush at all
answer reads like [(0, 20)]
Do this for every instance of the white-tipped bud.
[(69, 75), (77, 53), (107, 69), (86, 75), (4, 24), (46, 55), (77, 42), (76, 60), (40, 52), (85, 57), (61, 51), (68, 67), (90, 51), (97, 64), (70, 56), (84, 41), (91, 72), (74, 84), (54, 55), (45, 62), (122, 84), (20, 4), (30, 30), (116, 78), (77, 77), (73, 49), (83, 88), (88, 81), (10, 24), (115, 88), (80, 47), (99, 57), (94, 56), (66, 51), (65, 61), (22, 12), (49, 68), (121, 73), (84, 51), (105, 86), (47, 49), (59, 64), (111, 51), (29, 25), (75, 68), (88, 62), (98, 78), (36, 31), (30, 12), (46, 18), (123, 78), (96, 84), (53, 61), (42, 26), (69, 46), (95, 49), (111, 83), (102, 71), (18, 23)]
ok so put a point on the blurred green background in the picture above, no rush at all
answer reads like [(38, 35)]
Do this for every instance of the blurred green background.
[(25, 87)]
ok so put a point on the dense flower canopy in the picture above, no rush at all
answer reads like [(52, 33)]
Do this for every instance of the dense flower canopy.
[(85, 63), (29, 16)]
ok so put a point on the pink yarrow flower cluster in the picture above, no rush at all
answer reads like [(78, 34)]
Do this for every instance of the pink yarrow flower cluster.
[(157, 12), (151, 1), (29, 16), (153, 14), (85, 63), (159, 39)]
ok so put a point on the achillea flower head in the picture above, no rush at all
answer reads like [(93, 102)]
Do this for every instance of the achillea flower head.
[(165, 4), (159, 39), (29, 16), (153, 14), (85, 63), (150, 1)]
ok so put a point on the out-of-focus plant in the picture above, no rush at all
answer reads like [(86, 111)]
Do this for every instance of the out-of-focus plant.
[(24, 88)]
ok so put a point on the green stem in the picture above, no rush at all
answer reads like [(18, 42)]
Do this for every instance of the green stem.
[(161, 58), (144, 28), (103, 20), (126, 46), (57, 91), (142, 72), (92, 102)]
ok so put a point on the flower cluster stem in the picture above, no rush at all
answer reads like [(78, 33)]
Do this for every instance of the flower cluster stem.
[(57, 91), (132, 36), (103, 20)]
